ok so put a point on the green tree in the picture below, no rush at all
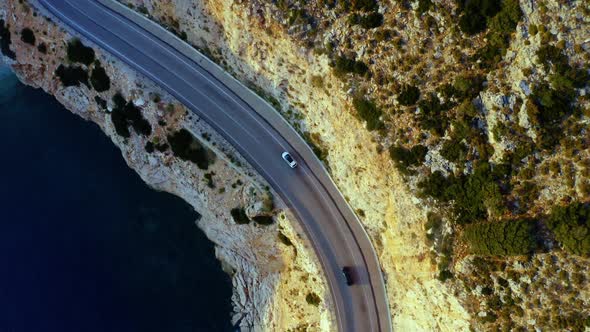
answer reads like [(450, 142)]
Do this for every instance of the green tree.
[(239, 216), (186, 147), (406, 158), (409, 95), (571, 227), (99, 79), (368, 111), (501, 238), (27, 36), (77, 52)]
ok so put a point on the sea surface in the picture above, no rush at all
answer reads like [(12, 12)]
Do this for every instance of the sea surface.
[(85, 245)]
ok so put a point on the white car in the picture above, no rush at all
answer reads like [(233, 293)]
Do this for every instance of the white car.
[(287, 157)]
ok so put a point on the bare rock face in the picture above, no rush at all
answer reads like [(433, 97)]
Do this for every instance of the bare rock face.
[(273, 268)]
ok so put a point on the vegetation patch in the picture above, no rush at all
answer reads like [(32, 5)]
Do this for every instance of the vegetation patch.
[(454, 151), (42, 47), (432, 115), (72, 75), (475, 14), (475, 196), (209, 179), (5, 40), (501, 26), (239, 216), (368, 111), (186, 147), (367, 21), (409, 95), (343, 65), (78, 53), (99, 79), (149, 147), (571, 227), (27, 36), (501, 238), (126, 114), (101, 103), (406, 158), (263, 220), (284, 239), (313, 299), (423, 6), (550, 104), (317, 146), (355, 5)]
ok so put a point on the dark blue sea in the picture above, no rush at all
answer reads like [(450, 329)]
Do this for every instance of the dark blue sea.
[(85, 245)]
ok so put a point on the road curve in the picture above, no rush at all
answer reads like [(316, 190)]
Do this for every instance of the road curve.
[(335, 233)]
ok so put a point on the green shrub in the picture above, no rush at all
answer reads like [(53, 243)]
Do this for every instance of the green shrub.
[(433, 226), (533, 29), (186, 147), (5, 40), (565, 77), (501, 27), (119, 100), (317, 145), (467, 86), (72, 76), (313, 299), (368, 111), (423, 6), (263, 220), (126, 114), (77, 52), (284, 239), (571, 227), (149, 147), (454, 151), (382, 34), (474, 195), (209, 178), (432, 115), (162, 147), (501, 238), (27, 36), (551, 107), (344, 65), (475, 14), (99, 78), (101, 103), (136, 119), (42, 48), (120, 122), (444, 275), (364, 5), (409, 95), (367, 21), (406, 158), (239, 216)]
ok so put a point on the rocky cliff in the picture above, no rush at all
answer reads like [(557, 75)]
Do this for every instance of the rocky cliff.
[(243, 37), (456, 129), (277, 282)]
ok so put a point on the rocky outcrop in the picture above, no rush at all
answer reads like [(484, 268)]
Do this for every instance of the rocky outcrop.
[(274, 271)]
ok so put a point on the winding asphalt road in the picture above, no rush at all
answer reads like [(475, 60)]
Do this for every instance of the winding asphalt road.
[(336, 234)]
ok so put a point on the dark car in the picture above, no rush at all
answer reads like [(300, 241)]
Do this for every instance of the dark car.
[(348, 273)]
